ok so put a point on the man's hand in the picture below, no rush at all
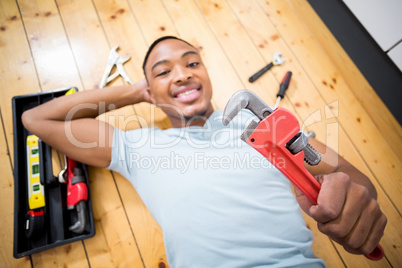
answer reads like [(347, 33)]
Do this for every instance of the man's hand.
[(71, 127), (346, 212), (143, 89)]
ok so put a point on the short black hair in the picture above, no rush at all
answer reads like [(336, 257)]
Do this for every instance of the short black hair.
[(157, 41)]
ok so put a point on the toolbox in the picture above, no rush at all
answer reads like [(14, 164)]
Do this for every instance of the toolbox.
[(41, 217)]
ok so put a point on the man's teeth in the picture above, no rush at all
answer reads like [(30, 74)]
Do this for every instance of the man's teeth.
[(188, 92)]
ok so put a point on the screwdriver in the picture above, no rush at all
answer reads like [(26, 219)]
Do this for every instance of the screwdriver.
[(283, 87)]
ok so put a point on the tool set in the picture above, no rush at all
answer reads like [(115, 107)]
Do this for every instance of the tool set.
[(47, 213)]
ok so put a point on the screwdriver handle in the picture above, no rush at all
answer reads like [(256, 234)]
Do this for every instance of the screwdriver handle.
[(284, 85), (260, 72)]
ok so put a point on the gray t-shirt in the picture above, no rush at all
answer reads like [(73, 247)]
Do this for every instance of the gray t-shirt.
[(218, 201)]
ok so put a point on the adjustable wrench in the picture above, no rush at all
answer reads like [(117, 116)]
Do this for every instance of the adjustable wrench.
[(277, 60), (278, 137)]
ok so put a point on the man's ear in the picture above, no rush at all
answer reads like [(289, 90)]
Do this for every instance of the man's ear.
[(151, 97)]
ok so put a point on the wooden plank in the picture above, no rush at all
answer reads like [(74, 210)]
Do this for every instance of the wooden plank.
[(49, 45), (71, 255), (97, 248), (17, 71), (86, 38), (368, 98), (7, 210)]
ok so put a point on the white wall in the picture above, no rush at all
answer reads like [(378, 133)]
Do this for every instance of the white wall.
[(383, 20)]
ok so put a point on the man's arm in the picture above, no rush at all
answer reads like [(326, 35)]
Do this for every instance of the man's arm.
[(68, 123), (347, 209)]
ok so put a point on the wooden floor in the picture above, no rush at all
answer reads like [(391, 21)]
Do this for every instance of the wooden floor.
[(49, 44)]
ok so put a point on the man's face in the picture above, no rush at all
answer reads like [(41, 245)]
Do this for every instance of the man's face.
[(178, 81)]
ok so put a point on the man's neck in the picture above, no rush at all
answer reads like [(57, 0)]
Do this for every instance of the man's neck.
[(197, 120)]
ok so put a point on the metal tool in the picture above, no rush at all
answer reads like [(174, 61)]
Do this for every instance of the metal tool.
[(277, 60), (114, 59), (277, 136), (282, 88), (77, 194), (63, 171)]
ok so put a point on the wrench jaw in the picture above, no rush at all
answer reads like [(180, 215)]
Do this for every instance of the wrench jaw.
[(79, 226), (277, 59), (245, 99), (249, 130)]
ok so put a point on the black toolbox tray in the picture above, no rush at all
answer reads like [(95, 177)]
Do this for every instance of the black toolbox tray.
[(57, 217)]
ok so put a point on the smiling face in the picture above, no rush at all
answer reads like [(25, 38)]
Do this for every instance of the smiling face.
[(179, 82)]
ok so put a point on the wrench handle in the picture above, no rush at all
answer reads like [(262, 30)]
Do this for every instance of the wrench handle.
[(260, 72), (270, 138)]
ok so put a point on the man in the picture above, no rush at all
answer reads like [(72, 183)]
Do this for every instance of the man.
[(219, 203)]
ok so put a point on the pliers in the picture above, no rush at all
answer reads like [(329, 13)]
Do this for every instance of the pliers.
[(115, 59)]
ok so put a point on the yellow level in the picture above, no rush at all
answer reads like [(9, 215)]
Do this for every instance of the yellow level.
[(36, 194)]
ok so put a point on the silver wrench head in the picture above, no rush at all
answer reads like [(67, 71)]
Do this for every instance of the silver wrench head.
[(245, 99), (277, 59)]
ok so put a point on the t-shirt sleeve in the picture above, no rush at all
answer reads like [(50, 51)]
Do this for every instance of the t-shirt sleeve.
[(125, 147)]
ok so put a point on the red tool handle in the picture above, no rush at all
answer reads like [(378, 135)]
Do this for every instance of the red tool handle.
[(270, 138), (75, 191)]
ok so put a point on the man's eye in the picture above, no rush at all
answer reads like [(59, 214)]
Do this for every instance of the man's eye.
[(193, 64), (162, 73)]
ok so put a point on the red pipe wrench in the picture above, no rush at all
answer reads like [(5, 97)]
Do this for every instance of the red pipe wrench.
[(279, 139)]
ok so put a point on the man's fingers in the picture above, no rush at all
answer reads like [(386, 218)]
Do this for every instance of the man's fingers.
[(373, 237), (360, 233), (331, 198), (354, 212)]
